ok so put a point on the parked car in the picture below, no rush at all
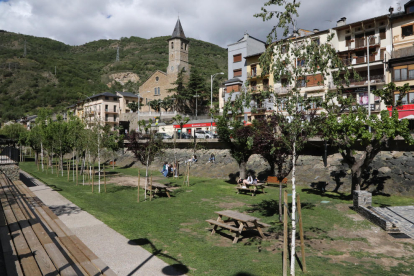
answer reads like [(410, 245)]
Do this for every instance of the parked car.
[(203, 134), (184, 136), (213, 135), (163, 135)]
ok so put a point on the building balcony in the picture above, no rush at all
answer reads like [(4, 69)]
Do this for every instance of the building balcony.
[(259, 88), (404, 52), (360, 60), (111, 120), (283, 89), (255, 73), (364, 80), (359, 43)]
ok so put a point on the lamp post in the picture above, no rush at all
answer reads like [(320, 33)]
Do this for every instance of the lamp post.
[(369, 81), (196, 96), (211, 103)]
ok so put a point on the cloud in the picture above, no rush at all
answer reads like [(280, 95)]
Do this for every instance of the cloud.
[(220, 22)]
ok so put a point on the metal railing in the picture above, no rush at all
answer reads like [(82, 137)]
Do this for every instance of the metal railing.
[(283, 89), (364, 80)]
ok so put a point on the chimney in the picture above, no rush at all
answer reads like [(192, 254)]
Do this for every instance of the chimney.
[(341, 22), (315, 30)]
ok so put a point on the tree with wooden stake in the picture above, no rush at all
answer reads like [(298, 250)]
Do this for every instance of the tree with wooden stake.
[(139, 184), (281, 60), (145, 150)]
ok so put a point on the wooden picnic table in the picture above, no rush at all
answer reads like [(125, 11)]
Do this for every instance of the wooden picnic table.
[(241, 222), (253, 188), (157, 188)]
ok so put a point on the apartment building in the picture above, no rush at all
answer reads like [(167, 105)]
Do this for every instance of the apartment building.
[(365, 46), (101, 109), (237, 66), (126, 98), (401, 62), (379, 49)]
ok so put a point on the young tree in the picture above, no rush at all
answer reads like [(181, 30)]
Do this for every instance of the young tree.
[(166, 103), (281, 60), (13, 132), (155, 104), (145, 150), (356, 130), (113, 141), (134, 106), (237, 136)]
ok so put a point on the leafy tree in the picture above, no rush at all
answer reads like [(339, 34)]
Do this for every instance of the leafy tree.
[(355, 130), (237, 137), (280, 60), (112, 141), (181, 120), (166, 103), (13, 131), (155, 104), (185, 93), (145, 150), (134, 106)]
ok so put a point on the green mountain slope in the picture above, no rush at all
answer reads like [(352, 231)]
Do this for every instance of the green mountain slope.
[(27, 83)]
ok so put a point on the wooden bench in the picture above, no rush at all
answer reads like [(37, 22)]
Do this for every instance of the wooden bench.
[(252, 188), (36, 242), (274, 180), (222, 225), (156, 188)]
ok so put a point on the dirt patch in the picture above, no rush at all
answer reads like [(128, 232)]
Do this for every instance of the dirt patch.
[(360, 246), (231, 205), (132, 181)]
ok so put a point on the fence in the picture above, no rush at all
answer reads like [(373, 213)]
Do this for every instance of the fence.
[(9, 155)]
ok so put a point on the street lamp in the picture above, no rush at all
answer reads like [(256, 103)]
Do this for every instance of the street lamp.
[(369, 81), (196, 96), (211, 103)]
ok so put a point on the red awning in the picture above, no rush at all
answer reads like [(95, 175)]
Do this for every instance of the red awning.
[(404, 111), (195, 125)]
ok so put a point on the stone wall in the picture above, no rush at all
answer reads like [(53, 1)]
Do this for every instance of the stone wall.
[(390, 172), (11, 170)]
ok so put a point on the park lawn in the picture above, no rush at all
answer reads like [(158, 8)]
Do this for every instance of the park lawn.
[(177, 229)]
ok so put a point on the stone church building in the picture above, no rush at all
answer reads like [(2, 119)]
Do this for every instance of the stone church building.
[(157, 85)]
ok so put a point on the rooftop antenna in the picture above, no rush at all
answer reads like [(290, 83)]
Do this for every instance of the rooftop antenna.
[(25, 52), (117, 54)]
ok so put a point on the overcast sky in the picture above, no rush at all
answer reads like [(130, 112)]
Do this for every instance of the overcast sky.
[(220, 22)]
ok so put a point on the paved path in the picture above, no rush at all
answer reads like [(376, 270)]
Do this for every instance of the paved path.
[(401, 216), (123, 256)]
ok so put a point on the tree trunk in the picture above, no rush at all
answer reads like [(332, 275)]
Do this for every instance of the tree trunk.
[(242, 169), (356, 179), (293, 242)]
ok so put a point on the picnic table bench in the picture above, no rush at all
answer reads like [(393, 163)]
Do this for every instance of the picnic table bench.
[(241, 223), (36, 242), (157, 188), (252, 188)]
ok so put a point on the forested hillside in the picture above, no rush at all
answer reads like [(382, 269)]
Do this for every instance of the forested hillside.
[(29, 82)]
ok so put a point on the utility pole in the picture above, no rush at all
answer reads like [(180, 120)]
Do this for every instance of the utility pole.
[(117, 54)]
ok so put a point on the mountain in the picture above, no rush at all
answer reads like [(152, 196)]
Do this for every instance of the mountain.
[(55, 75)]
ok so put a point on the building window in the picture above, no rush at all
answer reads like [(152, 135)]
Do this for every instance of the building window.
[(172, 45), (316, 41), (182, 45), (300, 62), (106, 98), (407, 30), (402, 73), (237, 58), (410, 9), (127, 102), (301, 82), (157, 78), (348, 41), (382, 34), (237, 73), (114, 118), (159, 91), (155, 91), (114, 108), (407, 99), (315, 80), (106, 108), (253, 70)]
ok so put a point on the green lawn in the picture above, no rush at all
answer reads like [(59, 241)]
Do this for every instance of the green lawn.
[(177, 228)]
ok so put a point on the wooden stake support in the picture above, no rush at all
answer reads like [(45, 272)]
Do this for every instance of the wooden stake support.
[(150, 186), (93, 178), (285, 235), (302, 241), (104, 172), (139, 182)]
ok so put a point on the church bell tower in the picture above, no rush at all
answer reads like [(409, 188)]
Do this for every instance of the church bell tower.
[(178, 52)]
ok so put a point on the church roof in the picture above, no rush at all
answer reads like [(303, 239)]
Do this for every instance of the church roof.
[(178, 31)]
